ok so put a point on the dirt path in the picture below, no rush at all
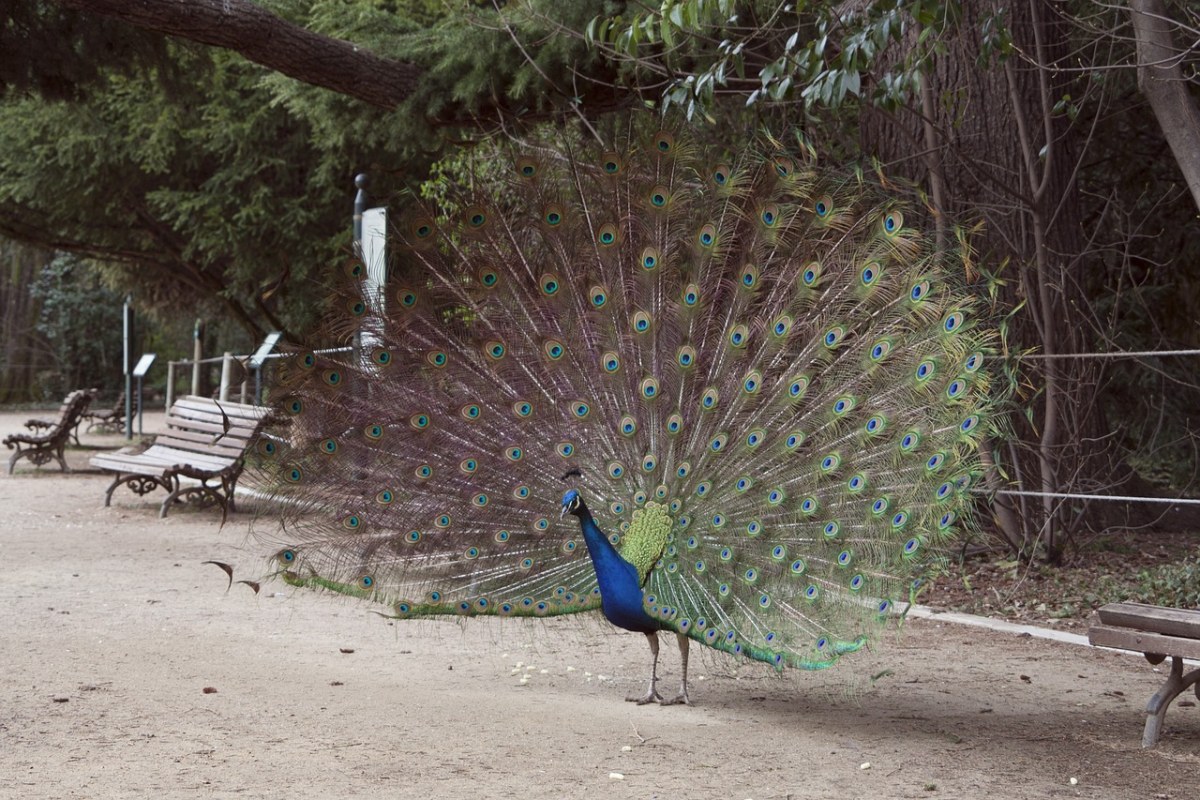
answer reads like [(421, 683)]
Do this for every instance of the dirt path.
[(111, 630)]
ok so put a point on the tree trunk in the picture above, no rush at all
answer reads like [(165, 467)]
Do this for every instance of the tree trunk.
[(266, 39), (23, 352), (1160, 78)]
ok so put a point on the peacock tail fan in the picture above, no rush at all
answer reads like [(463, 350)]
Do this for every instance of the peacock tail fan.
[(768, 387)]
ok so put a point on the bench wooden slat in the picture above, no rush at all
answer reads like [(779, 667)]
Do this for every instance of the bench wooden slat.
[(1143, 642), (156, 463), (1169, 621), (192, 404), (222, 448)]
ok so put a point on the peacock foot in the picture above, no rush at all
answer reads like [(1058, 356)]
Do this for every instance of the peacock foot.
[(680, 699), (651, 696)]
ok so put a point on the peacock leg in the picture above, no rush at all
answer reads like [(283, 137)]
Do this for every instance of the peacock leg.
[(652, 695), (682, 697)]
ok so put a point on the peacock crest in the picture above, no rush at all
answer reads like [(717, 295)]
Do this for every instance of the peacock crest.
[(765, 390)]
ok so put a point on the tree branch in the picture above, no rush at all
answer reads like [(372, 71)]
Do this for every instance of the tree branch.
[(1161, 81), (270, 41)]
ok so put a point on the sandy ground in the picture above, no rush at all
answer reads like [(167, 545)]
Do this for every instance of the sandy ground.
[(113, 635)]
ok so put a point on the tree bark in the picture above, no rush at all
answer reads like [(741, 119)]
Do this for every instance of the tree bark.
[(270, 41), (1161, 80)]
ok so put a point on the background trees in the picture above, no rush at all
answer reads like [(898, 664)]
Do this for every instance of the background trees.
[(219, 178)]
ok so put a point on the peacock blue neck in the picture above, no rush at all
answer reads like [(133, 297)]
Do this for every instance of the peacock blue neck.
[(620, 588)]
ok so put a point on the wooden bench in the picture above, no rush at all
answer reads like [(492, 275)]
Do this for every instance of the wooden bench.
[(49, 437), (205, 440), (108, 420), (1156, 632)]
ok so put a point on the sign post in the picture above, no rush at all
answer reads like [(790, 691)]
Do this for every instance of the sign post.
[(139, 372)]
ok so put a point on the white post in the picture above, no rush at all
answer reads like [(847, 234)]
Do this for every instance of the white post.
[(226, 372), (170, 384), (197, 354)]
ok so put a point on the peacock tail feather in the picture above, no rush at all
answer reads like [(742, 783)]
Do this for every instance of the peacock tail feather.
[(768, 387)]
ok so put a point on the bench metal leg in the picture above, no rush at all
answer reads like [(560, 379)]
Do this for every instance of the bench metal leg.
[(138, 484), (38, 456), (1156, 709)]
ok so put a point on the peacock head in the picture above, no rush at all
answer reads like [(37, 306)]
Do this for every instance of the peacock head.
[(572, 503)]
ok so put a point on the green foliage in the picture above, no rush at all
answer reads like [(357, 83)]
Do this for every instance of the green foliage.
[(821, 54), (61, 53), (229, 192), (1174, 585), (81, 320), (207, 196)]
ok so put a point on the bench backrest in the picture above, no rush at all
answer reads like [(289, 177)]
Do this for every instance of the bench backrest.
[(72, 408), (198, 425)]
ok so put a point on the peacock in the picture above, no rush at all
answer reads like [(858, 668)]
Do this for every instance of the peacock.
[(722, 393)]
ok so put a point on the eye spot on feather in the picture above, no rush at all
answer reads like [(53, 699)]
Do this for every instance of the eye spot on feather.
[(892, 223), (870, 274), (811, 274), (607, 235), (749, 277)]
